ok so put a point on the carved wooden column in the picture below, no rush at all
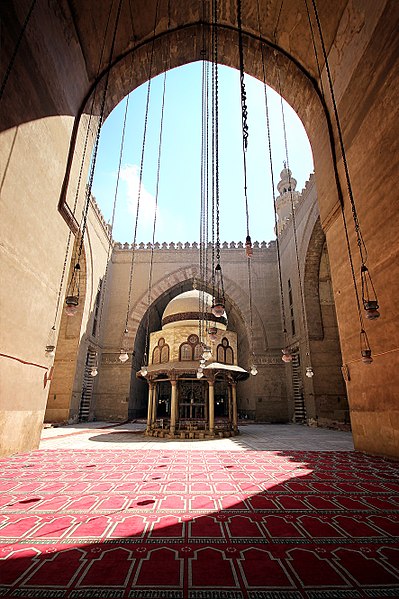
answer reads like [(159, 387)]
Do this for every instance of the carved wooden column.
[(211, 407), (234, 400)]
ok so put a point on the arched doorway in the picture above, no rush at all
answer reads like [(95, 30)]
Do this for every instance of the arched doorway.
[(62, 46)]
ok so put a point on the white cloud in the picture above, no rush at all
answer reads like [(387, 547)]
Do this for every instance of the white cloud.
[(131, 176)]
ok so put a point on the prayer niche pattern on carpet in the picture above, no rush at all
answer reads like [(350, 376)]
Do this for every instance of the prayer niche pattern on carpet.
[(198, 525)]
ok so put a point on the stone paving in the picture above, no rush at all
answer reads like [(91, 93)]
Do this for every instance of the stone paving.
[(266, 437)]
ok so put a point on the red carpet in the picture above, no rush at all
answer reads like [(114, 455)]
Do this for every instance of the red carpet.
[(198, 525)]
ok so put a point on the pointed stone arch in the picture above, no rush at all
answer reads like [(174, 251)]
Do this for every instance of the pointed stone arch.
[(235, 297)]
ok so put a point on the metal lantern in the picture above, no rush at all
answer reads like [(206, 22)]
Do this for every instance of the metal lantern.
[(366, 356), (50, 347), (123, 356), (287, 355), (212, 333), (369, 296), (309, 372), (207, 353), (371, 307), (248, 247), (218, 308), (72, 303), (365, 349)]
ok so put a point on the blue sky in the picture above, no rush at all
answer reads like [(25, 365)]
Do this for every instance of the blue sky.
[(179, 189)]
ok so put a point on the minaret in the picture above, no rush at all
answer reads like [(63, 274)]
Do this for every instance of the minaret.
[(286, 188)]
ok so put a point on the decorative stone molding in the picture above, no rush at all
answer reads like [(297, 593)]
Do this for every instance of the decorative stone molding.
[(192, 316)]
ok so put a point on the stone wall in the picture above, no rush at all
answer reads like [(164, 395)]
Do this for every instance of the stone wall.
[(174, 271)]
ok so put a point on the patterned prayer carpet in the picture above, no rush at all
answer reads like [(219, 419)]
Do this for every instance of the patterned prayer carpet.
[(198, 525)]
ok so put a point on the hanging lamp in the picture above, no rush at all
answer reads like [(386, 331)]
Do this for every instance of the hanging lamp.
[(368, 293), (207, 353), (369, 296), (287, 354), (50, 347), (77, 192), (144, 367), (94, 368), (365, 349), (286, 351), (245, 133), (123, 357), (212, 333), (72, 298)]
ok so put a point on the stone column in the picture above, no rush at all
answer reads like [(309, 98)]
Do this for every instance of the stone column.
[(173, 407), (211, 407), (150, 400), (234, 401)]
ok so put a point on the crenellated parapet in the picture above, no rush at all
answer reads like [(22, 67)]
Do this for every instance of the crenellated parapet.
[(97, 211), (226, 245)]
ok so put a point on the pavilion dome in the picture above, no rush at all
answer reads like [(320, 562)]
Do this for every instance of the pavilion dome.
[(184, 309)]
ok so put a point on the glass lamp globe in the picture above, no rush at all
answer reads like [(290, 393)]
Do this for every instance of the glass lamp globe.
[(366, 356), (309, 372), (287, 355), (371, 307), (254, 370), (206, 353), (72, 302), (212, 333), (50, 351), (123, 356), (218, 309), (94, 371), (200, 374), (144, 371)]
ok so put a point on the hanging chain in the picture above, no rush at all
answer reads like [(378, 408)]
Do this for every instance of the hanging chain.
[(100, 122), (204, 187), (213, 166), (217, 274), (129, 299), (111, 227), (79, 181), (147, 334), (364, 343), (360, 241), (245, 134), (314, 46), (269, 143), (287, 166), (146, 349), (244, 111)]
